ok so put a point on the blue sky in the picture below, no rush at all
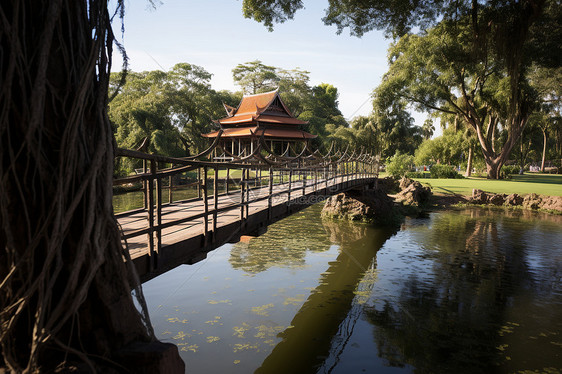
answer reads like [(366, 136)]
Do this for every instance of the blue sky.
[(215, 35)]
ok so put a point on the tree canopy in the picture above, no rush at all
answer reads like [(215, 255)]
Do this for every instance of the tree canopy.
[(172, 109), (254, 77), (471, 58), (318, 105)]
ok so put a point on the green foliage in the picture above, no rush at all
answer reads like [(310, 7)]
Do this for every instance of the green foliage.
[(415, 175), (469, 58), (254, 77), (271, 11), (323, 114), (367, 134), (294, 89), (399, 165), (511, 169), (428, 129), (395, 124), (172, 109), (444, 171), (448, 148), (317, 105)]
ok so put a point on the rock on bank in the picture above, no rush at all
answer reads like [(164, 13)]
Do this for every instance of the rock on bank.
[(367, 206)]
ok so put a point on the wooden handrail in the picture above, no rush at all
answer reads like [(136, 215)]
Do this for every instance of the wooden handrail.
[(314, 173)]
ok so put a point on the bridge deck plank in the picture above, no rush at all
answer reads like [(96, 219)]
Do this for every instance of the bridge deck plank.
[(229, 215)]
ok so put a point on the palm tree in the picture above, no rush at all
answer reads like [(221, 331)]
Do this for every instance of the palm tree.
[(428, 129)]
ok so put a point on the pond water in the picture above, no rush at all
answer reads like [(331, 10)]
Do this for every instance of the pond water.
[(469, 291), (134, 200)]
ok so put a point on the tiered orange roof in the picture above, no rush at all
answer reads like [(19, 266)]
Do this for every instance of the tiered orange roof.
[(242, 132), (259, 114)]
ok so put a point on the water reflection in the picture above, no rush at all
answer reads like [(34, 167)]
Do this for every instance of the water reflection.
[(463, 291), (318, 322), (469, 310), (285, 245)]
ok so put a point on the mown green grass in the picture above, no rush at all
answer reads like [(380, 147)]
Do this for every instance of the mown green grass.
[(542, 184)]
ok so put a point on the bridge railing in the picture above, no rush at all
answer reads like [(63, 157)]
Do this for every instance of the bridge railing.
[(235, 185)]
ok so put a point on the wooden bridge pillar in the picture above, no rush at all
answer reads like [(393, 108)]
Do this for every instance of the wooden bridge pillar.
[(170, 187), (206, 208), (227, 180), (158, 214), (215, 201), (304, 175), (242, 186), (199, 183), (269, 202), (290, 187)]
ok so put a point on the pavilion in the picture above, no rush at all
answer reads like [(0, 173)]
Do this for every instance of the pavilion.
[(260, 115)]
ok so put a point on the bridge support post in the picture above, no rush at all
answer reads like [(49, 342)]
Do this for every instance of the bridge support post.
[(315, 180), (145, 184), (290, 187), (247, 193), (242, 199), (206, 207), (158, 216), (150, 212), (269, 202), (216, 202), (304, 176), (170, 186), (199, 183), (227, 180)]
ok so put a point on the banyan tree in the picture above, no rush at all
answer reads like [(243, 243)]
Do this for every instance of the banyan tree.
[(65, 295)]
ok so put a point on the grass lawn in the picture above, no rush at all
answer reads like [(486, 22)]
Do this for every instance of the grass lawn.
[(542, 184), (236, 173)]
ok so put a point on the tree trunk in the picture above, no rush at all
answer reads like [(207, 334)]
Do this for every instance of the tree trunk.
[(493, 166), (469, 163), (544, 140), (64, 293), (495, 160)]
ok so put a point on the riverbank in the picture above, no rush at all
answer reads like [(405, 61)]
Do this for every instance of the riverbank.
[(542, 184), (532, 201), (393, 200), (532, 191)]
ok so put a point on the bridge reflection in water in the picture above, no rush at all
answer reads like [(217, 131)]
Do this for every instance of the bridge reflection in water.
[(246, 193), (327, 318)]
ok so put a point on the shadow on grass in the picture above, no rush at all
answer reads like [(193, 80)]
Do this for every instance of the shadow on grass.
[(538, 178), (446, 190)]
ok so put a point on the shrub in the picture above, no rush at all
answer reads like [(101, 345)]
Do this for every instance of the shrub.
[(399, 165), (510, 169), (414, 174), (444, 171)]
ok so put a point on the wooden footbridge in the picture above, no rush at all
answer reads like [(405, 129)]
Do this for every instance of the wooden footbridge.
[(237, 195)]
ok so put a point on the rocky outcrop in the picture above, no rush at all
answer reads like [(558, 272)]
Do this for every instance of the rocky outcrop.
[(376, 206), (413, 193), (497, 199), (552, 203), (478, 197), (371, 206), (530, 201), (513, 200)]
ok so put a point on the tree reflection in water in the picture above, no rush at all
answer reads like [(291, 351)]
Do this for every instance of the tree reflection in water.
[(483, 285), (464, 291), (327, 317), (277, 248)]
